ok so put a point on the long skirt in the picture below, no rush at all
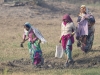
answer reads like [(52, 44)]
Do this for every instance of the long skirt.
[(35, 52), (89, 41)]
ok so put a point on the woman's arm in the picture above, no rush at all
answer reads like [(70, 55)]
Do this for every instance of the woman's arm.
[(24, 39), (73, 29), (60, 34)]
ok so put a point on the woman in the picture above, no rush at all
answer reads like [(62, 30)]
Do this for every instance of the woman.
[(91, 31), (82, 28), (67, 31), (33, 44)]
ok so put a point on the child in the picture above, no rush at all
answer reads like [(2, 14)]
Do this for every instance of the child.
[(67, 31)]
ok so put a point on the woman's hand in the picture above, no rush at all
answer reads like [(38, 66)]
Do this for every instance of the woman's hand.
[(21, 45), (39, 41), (72, 33), (60, 41)]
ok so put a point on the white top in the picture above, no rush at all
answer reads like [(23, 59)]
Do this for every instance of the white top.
[(67, 29)]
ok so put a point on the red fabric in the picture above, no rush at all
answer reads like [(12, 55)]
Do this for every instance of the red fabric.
[(37, 58), (65, 38), (65, 23), (68, 18)]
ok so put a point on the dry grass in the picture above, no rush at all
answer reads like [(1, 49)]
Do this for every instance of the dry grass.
[(11, 30), (11, 36)]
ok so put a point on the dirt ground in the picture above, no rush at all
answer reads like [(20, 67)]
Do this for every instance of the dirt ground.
[(47, 11), (25, 65)]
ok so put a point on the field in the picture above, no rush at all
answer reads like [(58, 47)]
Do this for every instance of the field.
[(14, 60)]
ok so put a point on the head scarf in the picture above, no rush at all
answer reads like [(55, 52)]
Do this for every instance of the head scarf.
[(68, 18), (27, 24), (83, 6), (86, 12)]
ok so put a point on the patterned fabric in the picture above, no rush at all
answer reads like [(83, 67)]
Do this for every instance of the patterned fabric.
[(30, 35), (36, 32), (33, 44), (35, 52), (89, 43)]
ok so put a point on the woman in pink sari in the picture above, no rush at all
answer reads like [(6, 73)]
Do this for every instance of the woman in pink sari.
[(67, 31), (33, 45)]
